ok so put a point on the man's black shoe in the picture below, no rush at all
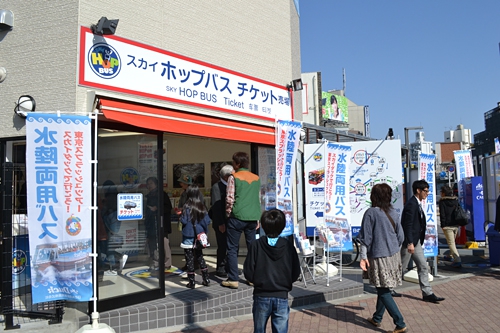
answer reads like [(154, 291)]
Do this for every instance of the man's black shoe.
[(221, 274), (432, 298), (395, 294)]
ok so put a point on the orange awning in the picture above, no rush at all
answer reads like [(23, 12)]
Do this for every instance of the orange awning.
[(167, 120)]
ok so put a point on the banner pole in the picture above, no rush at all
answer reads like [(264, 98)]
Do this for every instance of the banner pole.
[(95, 326)]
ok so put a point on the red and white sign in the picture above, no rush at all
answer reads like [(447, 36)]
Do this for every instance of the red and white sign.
[(118, 64)]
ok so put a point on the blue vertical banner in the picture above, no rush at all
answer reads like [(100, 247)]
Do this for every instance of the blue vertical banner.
[(337, 213), (427, 171), (287, 144), (59, 182)]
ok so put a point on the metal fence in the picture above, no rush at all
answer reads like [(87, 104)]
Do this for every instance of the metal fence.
[(16, 277)]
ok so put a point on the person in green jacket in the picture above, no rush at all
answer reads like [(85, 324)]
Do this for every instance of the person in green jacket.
[(243, 212)]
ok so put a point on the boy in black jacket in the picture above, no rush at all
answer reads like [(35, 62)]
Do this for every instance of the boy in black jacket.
[(272, 265)]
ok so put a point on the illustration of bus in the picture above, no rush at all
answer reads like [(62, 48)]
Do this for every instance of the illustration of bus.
[(316, 176)]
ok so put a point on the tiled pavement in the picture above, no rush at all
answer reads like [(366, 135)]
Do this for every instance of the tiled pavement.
[(472, 305), (217, 309), (217, 303)]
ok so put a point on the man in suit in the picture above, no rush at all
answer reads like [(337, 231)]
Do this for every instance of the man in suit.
[(414, 225)]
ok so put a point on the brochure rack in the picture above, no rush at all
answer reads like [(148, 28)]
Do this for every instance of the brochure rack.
[(331, 246), (306, 253)]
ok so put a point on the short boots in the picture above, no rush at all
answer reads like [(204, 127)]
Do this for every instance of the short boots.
[(204, 274), (190, 284)]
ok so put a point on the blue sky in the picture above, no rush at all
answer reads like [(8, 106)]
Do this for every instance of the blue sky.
[(429, 63)]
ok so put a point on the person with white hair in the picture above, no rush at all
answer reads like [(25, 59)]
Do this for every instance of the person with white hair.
[(217, 213)]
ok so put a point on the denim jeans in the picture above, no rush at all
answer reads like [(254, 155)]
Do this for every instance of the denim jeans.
[(234, 228), (385, 301), (276, 308)]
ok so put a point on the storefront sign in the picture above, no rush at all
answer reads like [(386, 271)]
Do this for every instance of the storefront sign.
[(58, 168), (125, 66), (427, 171), (287, 143)]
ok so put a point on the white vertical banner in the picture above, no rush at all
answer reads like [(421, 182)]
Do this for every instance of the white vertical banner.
[(427, 171), (463, 163), (287, 143), (337, 206), (314, 171), (59, 183)]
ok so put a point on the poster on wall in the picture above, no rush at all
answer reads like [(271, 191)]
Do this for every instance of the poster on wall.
[(334, 107), (195, 170), (215, 168), (287, 144), (427, 171), (58, 168), (147, 160), (267, 175), (337, 210)]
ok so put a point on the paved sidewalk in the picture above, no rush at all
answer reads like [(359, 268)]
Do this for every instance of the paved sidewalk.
[(472, 305)]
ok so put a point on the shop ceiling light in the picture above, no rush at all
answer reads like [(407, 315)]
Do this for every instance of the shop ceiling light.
[(24, 104), (104, 26)]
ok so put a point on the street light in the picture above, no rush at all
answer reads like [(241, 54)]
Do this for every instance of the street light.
[(407, 173)]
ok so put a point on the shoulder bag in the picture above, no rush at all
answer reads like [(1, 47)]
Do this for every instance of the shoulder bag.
[(459, 216)]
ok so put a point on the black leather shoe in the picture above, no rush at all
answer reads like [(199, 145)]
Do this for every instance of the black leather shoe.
[(395, 294), (432, 298), (221, 274)]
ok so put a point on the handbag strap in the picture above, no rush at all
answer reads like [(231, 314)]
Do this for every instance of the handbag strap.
[(390, 219), (194, 228)]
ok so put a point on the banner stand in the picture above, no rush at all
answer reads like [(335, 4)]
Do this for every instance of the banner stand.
[(95, 326)]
